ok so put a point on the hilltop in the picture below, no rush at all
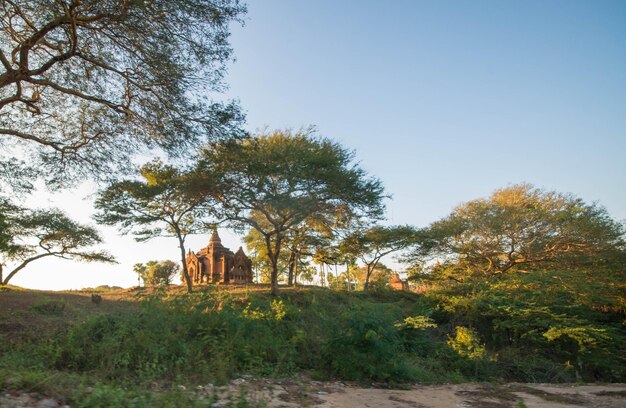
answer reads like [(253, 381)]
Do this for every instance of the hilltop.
[(239, 345)]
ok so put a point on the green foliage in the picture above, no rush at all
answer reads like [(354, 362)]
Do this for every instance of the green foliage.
[(571, 322), (280, 181), (379, 276), (373, 243), (156, 273), (466, 343), (36, 234), (92, 82), (521, 228), (49, 306), (417, 322), (534, 327), (367, 345), (167, 202)]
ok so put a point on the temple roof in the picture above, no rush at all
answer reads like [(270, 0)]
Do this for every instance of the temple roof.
[(215, 239)]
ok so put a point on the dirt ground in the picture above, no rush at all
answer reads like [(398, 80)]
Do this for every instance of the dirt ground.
[(26, 314), (291, 393)]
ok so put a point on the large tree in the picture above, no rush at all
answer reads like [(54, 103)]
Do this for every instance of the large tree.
[(29, 235), (287, 178), (520, 228), (88, 82), (370, 245), (167, 202)]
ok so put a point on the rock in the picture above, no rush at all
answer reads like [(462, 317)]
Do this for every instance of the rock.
[(88, 390), (48, 403), (238, 381), (182, 387)]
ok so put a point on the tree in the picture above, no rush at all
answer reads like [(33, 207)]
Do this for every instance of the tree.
[(378, 278), (287, 179), (298, 244), (520, 228), (30, 235), (88, 82), (140, 270), (157, 273), (166, 197), (372, 244)]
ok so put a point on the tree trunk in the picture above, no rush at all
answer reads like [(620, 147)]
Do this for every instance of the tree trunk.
[(370, 268), (295, 274), (23, 264), (273, 255), (1, 283), (274, 277), (183, 259), (292, 263), (367, 277)]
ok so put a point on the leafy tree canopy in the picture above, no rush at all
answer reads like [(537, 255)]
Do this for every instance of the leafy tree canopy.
[(521, 228), (88, 82), (28, 235), (287, 178), (167, 202), (370, 245), (156, 273)]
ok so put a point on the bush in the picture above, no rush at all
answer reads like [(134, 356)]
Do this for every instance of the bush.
[(49, 306)]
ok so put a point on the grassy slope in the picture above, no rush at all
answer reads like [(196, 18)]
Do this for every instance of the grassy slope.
[(62, 344)]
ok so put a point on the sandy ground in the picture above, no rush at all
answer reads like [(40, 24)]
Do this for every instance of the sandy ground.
[(325, 395), (290, 393)]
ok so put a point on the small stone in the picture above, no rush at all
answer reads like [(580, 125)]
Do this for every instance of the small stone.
[(238, 381), (48, 403), (209, 385), (182, 387), (88, 390), (322, 392)]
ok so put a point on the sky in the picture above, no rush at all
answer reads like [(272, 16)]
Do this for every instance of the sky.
[(443, 101)]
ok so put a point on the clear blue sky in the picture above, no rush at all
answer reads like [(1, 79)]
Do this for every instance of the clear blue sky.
[(447, 101), (444, 101)]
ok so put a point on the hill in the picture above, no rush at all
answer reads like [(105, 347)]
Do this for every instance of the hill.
[(151, 347)]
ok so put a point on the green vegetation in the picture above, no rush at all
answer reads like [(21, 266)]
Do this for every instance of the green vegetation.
[(518, 229), (166, 202), (526, 285), (155, 273), (277, 182), (89, 83), (485, 331)]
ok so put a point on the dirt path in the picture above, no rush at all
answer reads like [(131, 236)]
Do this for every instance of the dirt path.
[(326, 395), (293, 393)]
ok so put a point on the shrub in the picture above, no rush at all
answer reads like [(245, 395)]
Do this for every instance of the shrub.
[(49, 306)]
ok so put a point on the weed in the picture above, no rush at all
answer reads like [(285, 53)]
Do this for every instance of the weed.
[(49, 306)]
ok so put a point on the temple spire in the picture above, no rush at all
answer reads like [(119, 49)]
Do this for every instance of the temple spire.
[(215, 238)]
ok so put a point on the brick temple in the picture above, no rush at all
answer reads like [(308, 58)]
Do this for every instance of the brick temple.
[(217, 264)]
